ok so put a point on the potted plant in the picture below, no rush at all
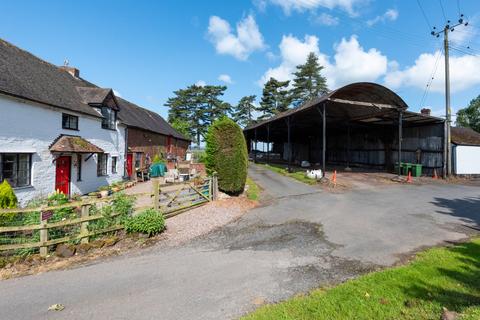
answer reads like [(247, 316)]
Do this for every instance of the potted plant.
[(104, 190)]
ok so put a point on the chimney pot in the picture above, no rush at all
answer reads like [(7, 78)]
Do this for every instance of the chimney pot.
[(74, 72), (425, 111)]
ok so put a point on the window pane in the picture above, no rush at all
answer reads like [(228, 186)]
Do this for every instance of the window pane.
[(23, 178)]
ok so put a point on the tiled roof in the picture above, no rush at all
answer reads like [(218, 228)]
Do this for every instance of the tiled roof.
[(73, 144)]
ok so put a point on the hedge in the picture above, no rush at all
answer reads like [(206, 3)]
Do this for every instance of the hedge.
[(227, 155)]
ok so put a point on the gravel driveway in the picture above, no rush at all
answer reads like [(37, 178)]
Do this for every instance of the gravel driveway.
[(302, 238)]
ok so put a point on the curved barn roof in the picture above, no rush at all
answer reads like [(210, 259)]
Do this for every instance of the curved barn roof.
[(352, 101)]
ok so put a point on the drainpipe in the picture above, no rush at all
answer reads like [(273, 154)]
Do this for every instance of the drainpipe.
[(255, 148), (324, 143)]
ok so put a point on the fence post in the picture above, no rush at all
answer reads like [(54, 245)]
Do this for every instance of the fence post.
[(215, 186), (43, 235), (156, 193), (84, 226)]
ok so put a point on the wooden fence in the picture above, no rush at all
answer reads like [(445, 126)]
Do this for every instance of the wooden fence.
[(22, 232), (187, 196)]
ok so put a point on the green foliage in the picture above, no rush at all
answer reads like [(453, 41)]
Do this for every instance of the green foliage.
[(469, 117), (8, 199), (275, 98), (158, 159), (308, 82), (150, 222), (226, 151), (437, 278), (199, 156), (243, 111), (182, 126), (253, 191), (114, 214), (197, 106)]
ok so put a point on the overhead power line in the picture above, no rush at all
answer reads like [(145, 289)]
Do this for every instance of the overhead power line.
[(424, 15)]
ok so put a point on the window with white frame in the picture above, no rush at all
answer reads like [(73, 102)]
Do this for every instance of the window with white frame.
[(102, 164), (114, 164)]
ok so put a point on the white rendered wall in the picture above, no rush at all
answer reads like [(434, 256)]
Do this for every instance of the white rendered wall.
[(467, 160), (29, 127)]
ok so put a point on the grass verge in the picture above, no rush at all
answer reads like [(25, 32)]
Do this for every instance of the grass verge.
[(297, 174), (253, 191), (437, 278)]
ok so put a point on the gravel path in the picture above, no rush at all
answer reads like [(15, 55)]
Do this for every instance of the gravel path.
[(202, 220)]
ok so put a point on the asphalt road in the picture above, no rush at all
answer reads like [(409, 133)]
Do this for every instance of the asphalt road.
[(302, 238)]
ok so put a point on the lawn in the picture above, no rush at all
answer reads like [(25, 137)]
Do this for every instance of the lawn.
[(253, 191), (297, 174), (437, 278)]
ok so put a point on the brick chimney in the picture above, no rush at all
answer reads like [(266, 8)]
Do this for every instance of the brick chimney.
[(74, 72), (425, 111)]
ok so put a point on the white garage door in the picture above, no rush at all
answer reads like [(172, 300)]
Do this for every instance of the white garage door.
[(467, 160)]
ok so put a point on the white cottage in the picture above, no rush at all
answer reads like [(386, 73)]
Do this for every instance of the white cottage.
[(57, 131)]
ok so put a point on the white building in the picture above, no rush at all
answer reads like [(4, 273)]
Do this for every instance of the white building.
[(57, 131), (465, 151)]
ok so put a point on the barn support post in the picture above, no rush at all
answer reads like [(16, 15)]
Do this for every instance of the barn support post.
[(400, 124), (268, 143), (347, 168), (289, 145), (255, 148), (324, 137)]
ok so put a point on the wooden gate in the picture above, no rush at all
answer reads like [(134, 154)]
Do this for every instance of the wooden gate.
[(187, 196)]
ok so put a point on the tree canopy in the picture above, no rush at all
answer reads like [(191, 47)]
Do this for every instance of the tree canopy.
[(242, 112), (198, 106), (308, 82), (469, 117), (275, 98)]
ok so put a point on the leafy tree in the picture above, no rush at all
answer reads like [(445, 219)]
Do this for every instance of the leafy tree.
[(275, 98), (182, 126), (226, 154), (308, 82), (243, 111), (470, 116), (199, 106)]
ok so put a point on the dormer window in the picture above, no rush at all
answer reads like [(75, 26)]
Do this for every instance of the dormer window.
[(109, 118)]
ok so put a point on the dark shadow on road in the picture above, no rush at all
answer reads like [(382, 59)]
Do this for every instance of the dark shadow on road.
[(463, 272), (467, 209)]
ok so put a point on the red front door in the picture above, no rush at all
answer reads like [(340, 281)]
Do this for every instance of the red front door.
[(62, 175), (129, 164)]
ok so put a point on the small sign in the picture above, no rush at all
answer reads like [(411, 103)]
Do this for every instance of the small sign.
[(47, 215)]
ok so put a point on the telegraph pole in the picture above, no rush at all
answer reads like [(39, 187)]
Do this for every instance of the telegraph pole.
[(447, 155)]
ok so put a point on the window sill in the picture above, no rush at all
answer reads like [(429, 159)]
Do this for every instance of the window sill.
[(70, 129), (23, 187), (110, 129)]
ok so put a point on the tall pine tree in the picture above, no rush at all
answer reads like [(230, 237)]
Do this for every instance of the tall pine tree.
[(275, 98), (308, 82), (243, 111), (198, 106)]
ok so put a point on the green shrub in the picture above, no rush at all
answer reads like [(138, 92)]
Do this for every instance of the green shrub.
[(8, 199), (226, 154), (158, 159), (150, 222)]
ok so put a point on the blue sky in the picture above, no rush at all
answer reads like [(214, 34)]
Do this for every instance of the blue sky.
[(147, 49)]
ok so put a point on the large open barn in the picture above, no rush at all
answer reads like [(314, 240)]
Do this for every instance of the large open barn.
[(362, 125)]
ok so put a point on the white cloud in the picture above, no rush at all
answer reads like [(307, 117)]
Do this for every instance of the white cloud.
[(247, 40), (225, 78), (463, 34), (389, 15), (326, 19), (302, 5), (463, 73), (350, 62), (116, 93), (200, 83)]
